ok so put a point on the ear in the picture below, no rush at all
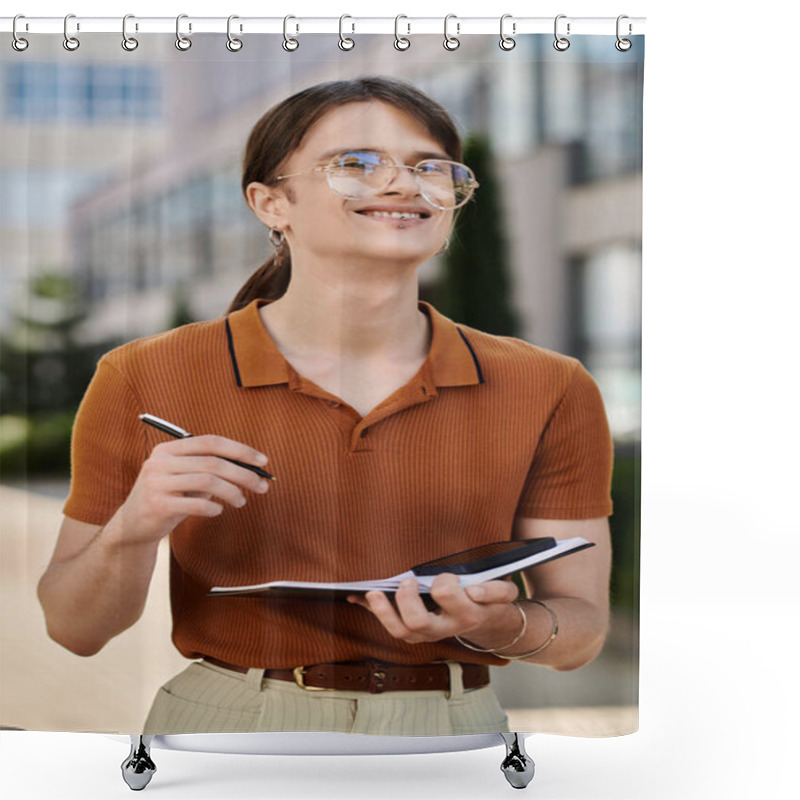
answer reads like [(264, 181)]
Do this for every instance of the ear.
[(268, 203)]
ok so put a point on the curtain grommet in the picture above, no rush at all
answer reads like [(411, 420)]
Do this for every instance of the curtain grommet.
[(451, 42), (129, 43), (345, 42), (182, 42), (19, 43), (233, 44), (561, 43), (507, 42), (401, 42), (289, 44), (623, 45), (70, 43)]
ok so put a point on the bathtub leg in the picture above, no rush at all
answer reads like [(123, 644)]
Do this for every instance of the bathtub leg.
[(138, 768), (517, 766)]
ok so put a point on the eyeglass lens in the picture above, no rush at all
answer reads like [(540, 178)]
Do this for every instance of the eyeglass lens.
[(445, 184)]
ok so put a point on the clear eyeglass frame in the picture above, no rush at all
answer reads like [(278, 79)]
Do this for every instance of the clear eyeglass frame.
[(389, 164)]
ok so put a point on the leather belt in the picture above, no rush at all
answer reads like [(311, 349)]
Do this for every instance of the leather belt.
[(371, 676)]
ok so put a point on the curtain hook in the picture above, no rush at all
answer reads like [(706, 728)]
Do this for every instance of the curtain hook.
[(561, 43), (623, 45), (70, 42), (18, 43), (233, 44), (181, 42), (346, 43), (507, 42), (400, 42), (129, 43), (451, 42), (290, 44)]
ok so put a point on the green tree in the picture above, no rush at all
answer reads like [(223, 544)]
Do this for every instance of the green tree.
[(44, 371), (476, 285), (43, 364)]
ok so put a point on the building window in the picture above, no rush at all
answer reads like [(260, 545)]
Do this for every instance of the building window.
[(607, 304), (86, 93)]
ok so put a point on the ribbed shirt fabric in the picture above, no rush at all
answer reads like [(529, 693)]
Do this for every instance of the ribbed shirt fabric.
[(489, 428)]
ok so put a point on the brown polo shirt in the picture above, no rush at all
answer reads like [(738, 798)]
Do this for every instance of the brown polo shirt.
[(489, 428)]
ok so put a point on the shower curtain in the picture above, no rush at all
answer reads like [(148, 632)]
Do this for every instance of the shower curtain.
[(122, 218)]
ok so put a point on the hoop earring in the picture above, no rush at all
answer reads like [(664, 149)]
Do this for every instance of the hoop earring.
[(276, 237), (443, 247)]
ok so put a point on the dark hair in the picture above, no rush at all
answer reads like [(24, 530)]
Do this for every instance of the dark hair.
[(281, 129)]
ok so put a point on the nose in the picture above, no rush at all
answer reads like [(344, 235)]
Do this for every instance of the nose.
[(404, 181)]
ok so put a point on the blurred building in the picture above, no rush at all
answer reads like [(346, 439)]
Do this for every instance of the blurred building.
[(65, 124), (124, 169)]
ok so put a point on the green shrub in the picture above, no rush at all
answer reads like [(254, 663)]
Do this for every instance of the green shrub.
[(625, 528), (14, 428), (42, 449)]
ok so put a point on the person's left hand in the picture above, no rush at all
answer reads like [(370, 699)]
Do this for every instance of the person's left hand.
[(484, 611)]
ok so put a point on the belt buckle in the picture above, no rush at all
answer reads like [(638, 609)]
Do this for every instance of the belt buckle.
[(377, 676), (298, 673)]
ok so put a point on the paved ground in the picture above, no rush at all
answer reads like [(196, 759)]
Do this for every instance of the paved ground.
[(45, 687)]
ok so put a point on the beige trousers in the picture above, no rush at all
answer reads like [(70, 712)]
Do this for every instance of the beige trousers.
[(205, 698)]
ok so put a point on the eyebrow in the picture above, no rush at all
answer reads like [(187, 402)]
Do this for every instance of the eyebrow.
[(418, 155)]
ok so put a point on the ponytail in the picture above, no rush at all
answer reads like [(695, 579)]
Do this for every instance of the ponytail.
[(269, 282)]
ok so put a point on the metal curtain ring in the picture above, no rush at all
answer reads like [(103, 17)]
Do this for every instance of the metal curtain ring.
[(289, 44), (561, 43), (400, 42), (451, 42), (18, 43), (506, 42), (623, 45), (181, 42), (233, 44), (129, 43), (70, 42), (345, 43)]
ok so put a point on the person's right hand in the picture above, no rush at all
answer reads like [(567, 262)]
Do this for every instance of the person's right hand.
[(180, 477)]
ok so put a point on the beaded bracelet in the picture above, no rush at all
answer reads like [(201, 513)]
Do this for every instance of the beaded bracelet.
[(493, 651)]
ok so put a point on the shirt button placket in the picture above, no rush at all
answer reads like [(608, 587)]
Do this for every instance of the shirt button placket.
[(357, 441)]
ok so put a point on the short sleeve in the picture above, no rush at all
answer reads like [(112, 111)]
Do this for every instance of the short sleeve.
[(108, 447), (570, 474)]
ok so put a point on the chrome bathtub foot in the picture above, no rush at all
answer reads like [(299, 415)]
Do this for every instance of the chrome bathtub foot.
[(517, 766), (138, 768)]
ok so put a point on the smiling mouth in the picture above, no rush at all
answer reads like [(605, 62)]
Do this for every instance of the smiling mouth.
[(396, 216)]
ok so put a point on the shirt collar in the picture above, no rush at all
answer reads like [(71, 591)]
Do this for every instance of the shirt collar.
[(257, 361)]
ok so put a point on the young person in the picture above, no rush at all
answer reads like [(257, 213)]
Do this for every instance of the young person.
[(396, 436)]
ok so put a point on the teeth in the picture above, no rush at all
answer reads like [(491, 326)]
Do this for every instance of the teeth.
[(393, 214)]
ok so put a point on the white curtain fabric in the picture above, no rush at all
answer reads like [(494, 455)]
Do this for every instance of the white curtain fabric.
[(121, 217)]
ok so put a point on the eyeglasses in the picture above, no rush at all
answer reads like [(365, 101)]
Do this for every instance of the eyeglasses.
[(357, 175)]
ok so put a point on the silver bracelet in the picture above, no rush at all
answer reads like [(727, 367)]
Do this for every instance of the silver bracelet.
[(510, 644), (553, 633)]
